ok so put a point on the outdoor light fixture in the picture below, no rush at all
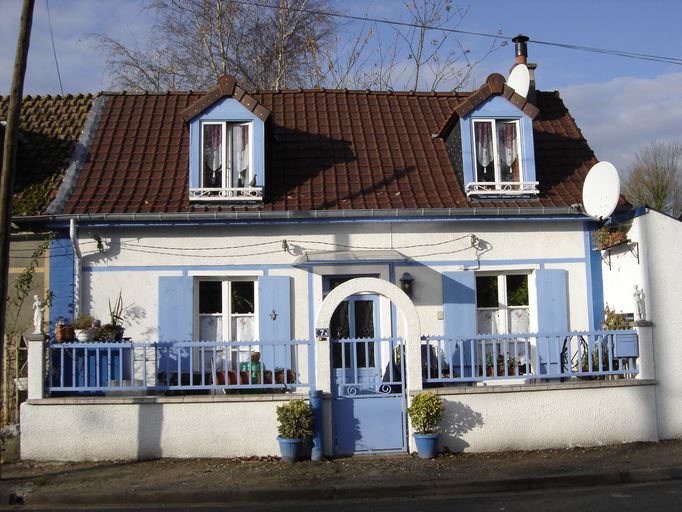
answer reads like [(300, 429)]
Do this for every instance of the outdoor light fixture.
[(406, 283)]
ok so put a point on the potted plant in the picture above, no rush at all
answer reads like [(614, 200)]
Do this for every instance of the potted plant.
[(425, 414), (112, 331), (295, 424), (609, 235), (83, 327)]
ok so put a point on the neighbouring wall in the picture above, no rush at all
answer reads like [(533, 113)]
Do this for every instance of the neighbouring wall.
[(663, 248)]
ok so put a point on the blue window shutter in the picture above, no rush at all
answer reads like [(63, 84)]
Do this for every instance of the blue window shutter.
[(61, 279), (175, 308), (552, 316), (175, 324), (274, 295), (459, 313)]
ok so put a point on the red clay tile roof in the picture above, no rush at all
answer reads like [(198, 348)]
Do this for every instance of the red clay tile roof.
[(325, 150), (50, 127)]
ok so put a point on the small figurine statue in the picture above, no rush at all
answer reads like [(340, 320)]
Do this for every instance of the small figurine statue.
[(38, 308), (638, 296)]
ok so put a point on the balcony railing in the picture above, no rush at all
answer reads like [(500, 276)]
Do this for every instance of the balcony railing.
[(223, 194), (527, 357), (502, 188), (188, 367)]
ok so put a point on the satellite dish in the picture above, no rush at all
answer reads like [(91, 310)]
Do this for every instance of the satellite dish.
[(601, 190), (519, 79)]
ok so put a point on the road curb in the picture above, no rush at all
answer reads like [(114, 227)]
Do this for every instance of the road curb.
[(341, 492)]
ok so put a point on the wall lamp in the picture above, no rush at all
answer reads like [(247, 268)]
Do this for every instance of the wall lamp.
[(406, 283)]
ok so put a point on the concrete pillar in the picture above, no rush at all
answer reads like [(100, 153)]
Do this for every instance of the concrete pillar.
[(647, 366), (36, 366)]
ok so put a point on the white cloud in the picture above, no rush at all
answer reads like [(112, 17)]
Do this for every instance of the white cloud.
[(620, 116)]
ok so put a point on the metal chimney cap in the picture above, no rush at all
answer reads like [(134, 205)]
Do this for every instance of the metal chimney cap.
[(520, 39)]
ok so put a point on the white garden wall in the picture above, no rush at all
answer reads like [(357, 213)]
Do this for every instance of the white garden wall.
[(141, 428), (499, 418)]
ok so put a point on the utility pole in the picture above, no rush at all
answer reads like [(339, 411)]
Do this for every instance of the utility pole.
[(9, 160)]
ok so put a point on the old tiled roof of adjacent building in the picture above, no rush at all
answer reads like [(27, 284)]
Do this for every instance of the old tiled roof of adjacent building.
[(325, 150), (49, 130)]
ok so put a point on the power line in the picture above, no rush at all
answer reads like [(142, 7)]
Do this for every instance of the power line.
[(617, 53), (54, 50)]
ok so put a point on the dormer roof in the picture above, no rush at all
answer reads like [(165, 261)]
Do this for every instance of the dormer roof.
[(493, 86), (227, 88)]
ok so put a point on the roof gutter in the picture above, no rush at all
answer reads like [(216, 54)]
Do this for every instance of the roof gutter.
[(414, 215)]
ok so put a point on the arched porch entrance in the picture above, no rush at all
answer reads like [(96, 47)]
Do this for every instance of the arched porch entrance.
[(367, 378)]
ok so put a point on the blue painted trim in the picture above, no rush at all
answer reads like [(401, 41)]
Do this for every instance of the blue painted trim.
[(187, 269), (629, 215), (394, 310), (311, 304), (439, 263), (61, 279), (265, 268), (595, 280)]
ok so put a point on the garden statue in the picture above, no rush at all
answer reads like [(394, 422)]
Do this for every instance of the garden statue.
[(38, 309), (638, 297)]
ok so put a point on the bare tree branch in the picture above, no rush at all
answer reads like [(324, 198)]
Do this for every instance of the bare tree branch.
[(655, 179)]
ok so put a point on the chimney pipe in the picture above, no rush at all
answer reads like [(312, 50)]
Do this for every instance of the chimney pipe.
[(521, 49)]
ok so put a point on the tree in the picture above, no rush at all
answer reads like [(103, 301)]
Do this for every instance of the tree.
[(194, 42), (273, 44), (655, 178)]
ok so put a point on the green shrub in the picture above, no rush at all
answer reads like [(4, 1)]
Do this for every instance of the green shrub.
[(425, 412), (295, 420)]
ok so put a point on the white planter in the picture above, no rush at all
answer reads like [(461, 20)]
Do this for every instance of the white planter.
[(83, 334)]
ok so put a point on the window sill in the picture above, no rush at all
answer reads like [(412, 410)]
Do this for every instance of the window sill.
[(502, 188), (226, 194)]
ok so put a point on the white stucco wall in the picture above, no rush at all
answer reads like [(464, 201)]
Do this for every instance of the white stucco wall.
[(133, 260), (126, 428), (546, 416)]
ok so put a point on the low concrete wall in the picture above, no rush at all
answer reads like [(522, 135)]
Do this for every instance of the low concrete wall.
[(78, 429), (530, 417)]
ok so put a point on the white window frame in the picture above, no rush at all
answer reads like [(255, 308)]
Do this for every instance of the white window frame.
[(497, 186), (226, 314), (505, 309), (226, 190)]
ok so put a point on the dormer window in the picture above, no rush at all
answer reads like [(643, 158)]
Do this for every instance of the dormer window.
[(226, 159), (227, 145), (494, 126)]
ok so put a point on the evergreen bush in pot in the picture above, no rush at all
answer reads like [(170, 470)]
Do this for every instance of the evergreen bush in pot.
[(425, 414), (295, 424)]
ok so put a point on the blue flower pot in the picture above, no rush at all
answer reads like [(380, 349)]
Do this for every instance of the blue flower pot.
[(427, 445), (291, 449)]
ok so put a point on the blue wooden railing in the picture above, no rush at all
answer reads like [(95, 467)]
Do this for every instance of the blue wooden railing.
[(187, 367), (528, 356)]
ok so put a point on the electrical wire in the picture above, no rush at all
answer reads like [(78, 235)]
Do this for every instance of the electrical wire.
[(54, 50), (617, 53)]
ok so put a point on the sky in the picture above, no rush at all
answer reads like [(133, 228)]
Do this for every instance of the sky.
[(620, 104)]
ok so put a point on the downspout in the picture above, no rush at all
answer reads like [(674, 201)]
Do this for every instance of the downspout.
[(77, 267)]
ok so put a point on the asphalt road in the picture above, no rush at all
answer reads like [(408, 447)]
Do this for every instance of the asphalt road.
[(663, 496)]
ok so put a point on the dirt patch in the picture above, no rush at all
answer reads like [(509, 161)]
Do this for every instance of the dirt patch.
[(124, 477)]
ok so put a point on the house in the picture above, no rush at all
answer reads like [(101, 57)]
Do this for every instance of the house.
[(363, 244)]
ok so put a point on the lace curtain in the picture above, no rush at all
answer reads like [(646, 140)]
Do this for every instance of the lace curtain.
[(213, 155), (507, 147)]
